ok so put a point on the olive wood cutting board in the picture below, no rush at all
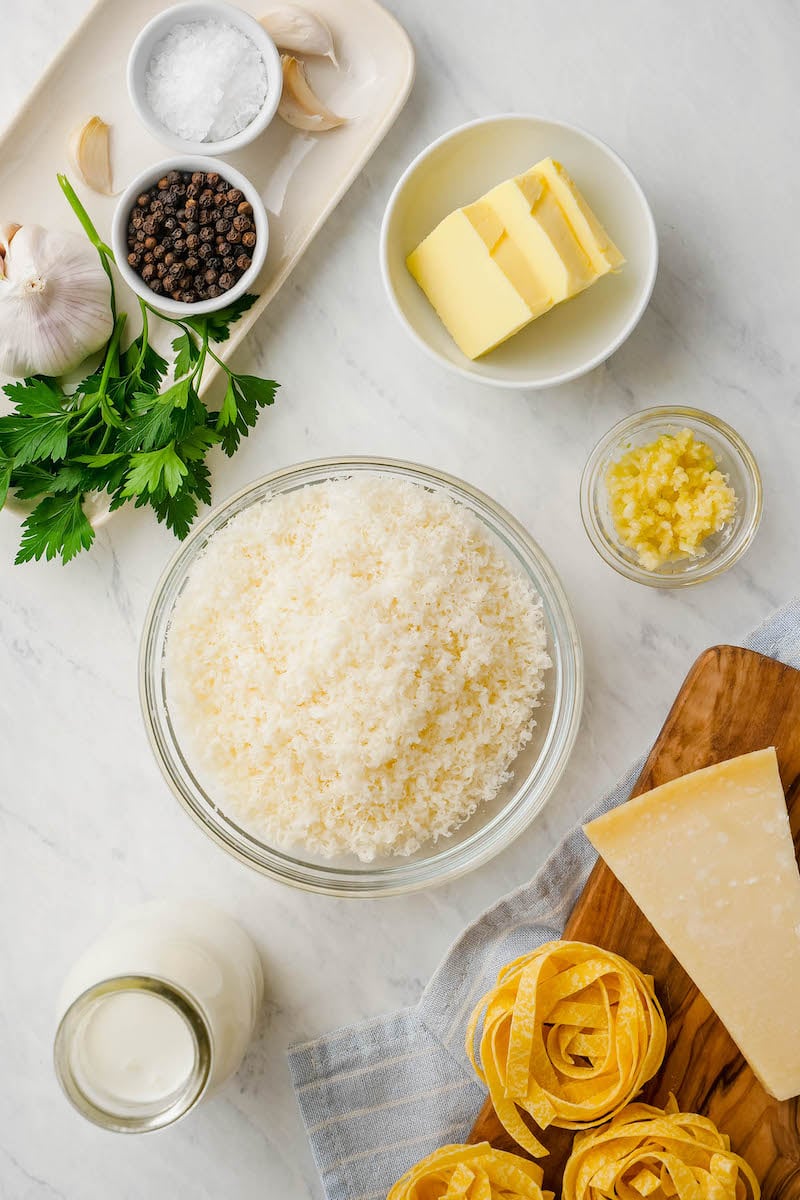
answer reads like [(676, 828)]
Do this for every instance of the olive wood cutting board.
[(733, 701)]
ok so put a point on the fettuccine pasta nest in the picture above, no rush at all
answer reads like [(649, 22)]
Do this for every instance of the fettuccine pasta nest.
[(471, 1173), (570, 1034), (658, 1155)]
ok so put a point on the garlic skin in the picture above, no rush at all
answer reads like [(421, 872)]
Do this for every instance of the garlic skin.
[(302, 32), (54, 301), (300, 107)]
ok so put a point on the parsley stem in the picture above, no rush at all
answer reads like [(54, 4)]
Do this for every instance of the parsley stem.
[(104, 251), (143, 307)]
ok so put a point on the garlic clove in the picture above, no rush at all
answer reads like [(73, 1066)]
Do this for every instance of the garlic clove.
[(300, 106), (7, 231), (89, 147), (302, 32)]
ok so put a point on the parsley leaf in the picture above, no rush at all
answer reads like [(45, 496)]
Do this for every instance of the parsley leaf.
[(244, 397), (152, 369), (148, 471), (38, 428), (57, 526), (187, 354), (6, 467)]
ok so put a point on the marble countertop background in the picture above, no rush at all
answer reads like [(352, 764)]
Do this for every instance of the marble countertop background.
[(701, 100)]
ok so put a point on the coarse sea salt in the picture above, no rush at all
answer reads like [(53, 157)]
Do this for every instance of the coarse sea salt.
[(206, 81)]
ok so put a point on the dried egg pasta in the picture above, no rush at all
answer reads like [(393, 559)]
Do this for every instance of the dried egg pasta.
[(471, 1173), (570, 1035), (656, 1154)]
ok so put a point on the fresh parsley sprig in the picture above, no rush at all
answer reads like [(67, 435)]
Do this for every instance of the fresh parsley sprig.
[(122, 430)]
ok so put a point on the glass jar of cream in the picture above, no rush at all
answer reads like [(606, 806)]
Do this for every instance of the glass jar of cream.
[(156, 1015)]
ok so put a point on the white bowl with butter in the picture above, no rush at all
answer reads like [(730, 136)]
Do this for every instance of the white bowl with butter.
[(462, 166)]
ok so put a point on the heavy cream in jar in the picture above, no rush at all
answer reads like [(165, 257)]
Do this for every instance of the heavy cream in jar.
[(157, 1014)]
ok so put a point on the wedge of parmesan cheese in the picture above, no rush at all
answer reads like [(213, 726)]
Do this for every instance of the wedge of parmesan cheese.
[(710, 861)]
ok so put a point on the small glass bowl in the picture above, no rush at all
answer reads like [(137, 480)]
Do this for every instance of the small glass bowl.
[(734, 460), (536, 770)]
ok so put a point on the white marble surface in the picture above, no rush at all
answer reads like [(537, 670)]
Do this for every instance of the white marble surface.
[(701, 100)]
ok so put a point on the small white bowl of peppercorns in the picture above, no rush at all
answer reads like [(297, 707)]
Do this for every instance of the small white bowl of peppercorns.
[(190, 235)]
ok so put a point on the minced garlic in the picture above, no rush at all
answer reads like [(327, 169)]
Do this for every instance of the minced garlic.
[(667, 498)]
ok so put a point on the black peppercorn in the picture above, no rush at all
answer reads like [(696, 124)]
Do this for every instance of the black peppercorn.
[(198, 178), (222, 225), (212, 178), (173, 176), (155, 286), (234, 196), (192, 262), (206, 234), (249, 239), (245, 208), (226, 281), (143, 200), (189, 297), (150, 243), (148, 256), (244, 262), (134, 258), (228, 262), (242, 224), (161, 270), (213, 291), (148, 271), (229, 210)]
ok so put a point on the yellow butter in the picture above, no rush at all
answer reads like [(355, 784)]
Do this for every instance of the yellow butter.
[(537, 224), (593, 238), (477, 279)]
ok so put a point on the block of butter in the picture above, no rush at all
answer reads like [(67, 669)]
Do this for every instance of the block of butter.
[(494, 266)]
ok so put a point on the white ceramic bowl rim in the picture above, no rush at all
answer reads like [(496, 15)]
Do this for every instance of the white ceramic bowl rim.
[(447, 860), (119, 241), (157, 28), (499, 381)]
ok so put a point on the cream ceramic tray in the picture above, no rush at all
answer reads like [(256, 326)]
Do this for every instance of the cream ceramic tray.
[(301, 176)]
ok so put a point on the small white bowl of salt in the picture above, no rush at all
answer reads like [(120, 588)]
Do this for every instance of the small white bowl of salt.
[(204, 78)]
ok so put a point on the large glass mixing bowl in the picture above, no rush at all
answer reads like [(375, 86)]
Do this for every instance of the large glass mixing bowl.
[(536, 770)]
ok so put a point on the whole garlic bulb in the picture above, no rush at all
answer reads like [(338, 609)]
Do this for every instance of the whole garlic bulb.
[(54, 301)]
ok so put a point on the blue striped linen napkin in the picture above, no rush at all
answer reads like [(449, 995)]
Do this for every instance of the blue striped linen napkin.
[(378, 1096)]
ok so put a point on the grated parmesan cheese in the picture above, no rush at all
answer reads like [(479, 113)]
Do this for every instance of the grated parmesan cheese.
[(354, 666)]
